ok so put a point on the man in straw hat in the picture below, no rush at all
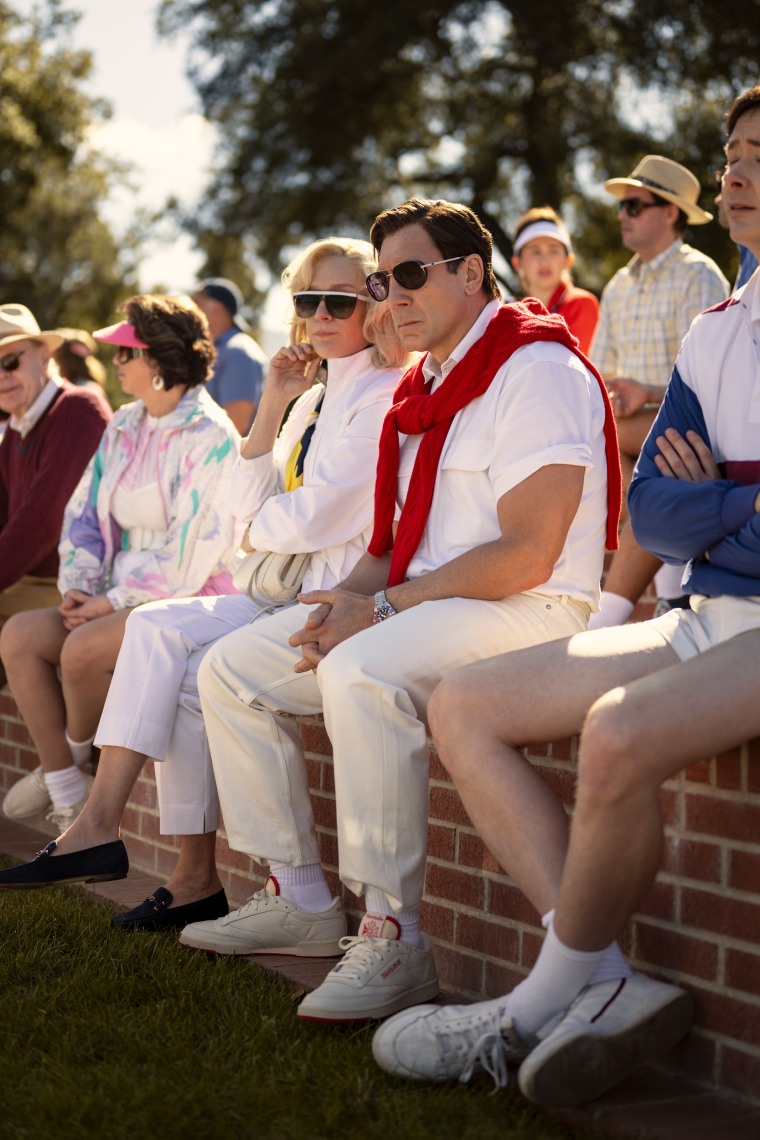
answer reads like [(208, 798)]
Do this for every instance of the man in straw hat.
[(646, 310), (649, 699), (53, 430)]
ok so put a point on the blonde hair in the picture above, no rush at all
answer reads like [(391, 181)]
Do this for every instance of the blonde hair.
[(378, 328)]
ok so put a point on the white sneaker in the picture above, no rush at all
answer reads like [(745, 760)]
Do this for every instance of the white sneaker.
[(58, 820), (609, 1030), (448, 1042), (376, 977), (269, 924), (28, 796)]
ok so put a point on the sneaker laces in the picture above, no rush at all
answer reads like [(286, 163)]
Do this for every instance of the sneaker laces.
[(482, 1043), (361, 954)]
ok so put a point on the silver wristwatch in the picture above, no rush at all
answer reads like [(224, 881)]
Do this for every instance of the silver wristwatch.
[(383, 608)]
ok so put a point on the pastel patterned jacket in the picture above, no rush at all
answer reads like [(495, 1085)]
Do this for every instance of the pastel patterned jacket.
[(198, 450)]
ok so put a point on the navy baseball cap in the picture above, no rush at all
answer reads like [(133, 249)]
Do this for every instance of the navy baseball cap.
[(228, 294)]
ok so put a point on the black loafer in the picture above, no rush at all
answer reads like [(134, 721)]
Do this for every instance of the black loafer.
[(157, 913), (91, 865)]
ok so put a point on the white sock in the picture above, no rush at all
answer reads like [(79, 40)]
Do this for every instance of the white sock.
[(81, 750), (613, 610), (667, 581), (377, 902), (612, 966), (305, 887), (559, 975), (66, 786)]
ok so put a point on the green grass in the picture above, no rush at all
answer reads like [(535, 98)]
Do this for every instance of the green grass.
[(110, 1035)]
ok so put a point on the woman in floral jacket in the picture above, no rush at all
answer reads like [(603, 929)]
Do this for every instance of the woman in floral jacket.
[(149, 520)]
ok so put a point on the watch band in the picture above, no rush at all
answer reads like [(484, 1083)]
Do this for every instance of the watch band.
[(383, 608)]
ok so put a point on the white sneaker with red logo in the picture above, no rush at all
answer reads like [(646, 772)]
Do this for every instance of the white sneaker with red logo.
[(378, 975)]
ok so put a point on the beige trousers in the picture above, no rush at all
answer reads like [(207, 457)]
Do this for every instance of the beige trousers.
[(373, 690)]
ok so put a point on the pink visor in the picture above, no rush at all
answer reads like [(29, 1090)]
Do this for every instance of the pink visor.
[(122, 334)]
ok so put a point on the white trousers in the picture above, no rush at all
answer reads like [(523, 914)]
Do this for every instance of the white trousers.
[(153, 706), (373, 689)]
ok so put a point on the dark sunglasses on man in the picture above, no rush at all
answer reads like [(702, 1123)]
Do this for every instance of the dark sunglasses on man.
[(11, 361), (634, 206), (339, 305), (409, 274)]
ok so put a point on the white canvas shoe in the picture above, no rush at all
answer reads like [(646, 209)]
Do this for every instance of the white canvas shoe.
[(28, 796), (377, 976), (269, 924), (609, 1030), (449, 1042)]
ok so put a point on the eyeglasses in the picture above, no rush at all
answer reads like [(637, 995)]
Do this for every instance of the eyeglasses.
[(11, 362), (409, 274), (124, 354), (633, 206), (339, 305)]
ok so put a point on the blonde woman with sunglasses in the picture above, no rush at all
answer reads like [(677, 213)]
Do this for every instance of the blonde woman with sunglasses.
[(148, 520), (304, 485)]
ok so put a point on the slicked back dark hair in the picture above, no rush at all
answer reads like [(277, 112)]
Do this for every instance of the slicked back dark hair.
[(747, 101), (454, 229)]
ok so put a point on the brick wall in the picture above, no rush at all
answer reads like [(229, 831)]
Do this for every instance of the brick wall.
[(700, 926)]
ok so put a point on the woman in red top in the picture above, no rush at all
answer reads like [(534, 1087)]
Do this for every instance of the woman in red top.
[(542, 258)]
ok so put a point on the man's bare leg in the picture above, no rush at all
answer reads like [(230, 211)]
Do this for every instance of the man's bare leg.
[(481, 713)]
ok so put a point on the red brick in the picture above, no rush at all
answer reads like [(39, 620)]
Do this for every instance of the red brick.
[(142, 854), (537, 752), (562, 782), (143, 793), (456, 886), (695, 1057), (235, 859), (18, 733), (314, 773), (661, 902), (495, 940), (462, 971), (446, 805), (437, 921), (753, 765), (730, 818), (670, 801), (530, 945), (509, 902), (437, 770), (739, 1021), (740, 1071), (328, 846), (314, 738), (565, 749), (744, 871), (728, 770), (742, 972), (441, 842), (699, 773), (472, 853), (149, 826), (500, 980), (692, 859), (323, 808), (735, 918), (671, 950), (328, 777)]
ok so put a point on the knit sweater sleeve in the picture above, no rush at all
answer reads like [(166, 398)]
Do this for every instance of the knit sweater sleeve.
[(48, 465)]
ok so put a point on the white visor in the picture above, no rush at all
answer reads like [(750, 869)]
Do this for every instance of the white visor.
[(543, 229)]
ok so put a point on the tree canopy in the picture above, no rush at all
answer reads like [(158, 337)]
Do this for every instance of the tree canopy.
[(57, 254), (330, 110)]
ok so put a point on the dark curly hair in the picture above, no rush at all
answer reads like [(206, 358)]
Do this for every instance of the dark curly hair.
[(177, 335)]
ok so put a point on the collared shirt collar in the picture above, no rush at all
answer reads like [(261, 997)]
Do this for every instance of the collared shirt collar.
[(434, 371), (226, 335), (637, 266), (31, 417)]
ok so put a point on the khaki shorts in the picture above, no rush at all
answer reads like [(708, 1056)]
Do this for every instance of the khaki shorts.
[(28, 594), (709, 622)]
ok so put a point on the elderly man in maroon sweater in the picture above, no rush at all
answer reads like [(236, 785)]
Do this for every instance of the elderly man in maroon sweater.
[(53, 430)]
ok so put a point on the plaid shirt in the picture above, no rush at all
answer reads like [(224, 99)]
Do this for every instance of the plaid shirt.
[(647, 309)]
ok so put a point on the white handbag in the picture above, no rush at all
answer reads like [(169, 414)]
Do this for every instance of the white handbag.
[(268, 577)]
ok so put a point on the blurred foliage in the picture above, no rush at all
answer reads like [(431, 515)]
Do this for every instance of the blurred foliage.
[(57, 254), (331, 110)]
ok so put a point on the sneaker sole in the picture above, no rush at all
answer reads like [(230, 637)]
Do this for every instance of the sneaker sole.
[(585, 1066), (417, 996), (61, 882), (303, 950)]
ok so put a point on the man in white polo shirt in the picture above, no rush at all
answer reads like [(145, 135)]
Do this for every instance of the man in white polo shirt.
[(497, 454), (650, 699)]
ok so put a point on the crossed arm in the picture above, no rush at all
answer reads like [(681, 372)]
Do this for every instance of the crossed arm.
[(534, 518)]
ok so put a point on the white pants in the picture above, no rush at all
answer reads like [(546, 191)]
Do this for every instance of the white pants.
[(153, 707), (373, 689)]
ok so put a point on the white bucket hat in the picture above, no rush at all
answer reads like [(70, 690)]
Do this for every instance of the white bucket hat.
[(18, 323), (665, 179)]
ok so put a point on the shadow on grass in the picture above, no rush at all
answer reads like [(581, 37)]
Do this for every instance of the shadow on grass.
[(111, 1035)]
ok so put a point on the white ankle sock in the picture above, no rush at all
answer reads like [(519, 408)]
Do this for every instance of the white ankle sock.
[(306, 887), (66, 786), (377, 902), (667, 581), (613, 610), (81, 750), (559, 975), (612, 966)]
